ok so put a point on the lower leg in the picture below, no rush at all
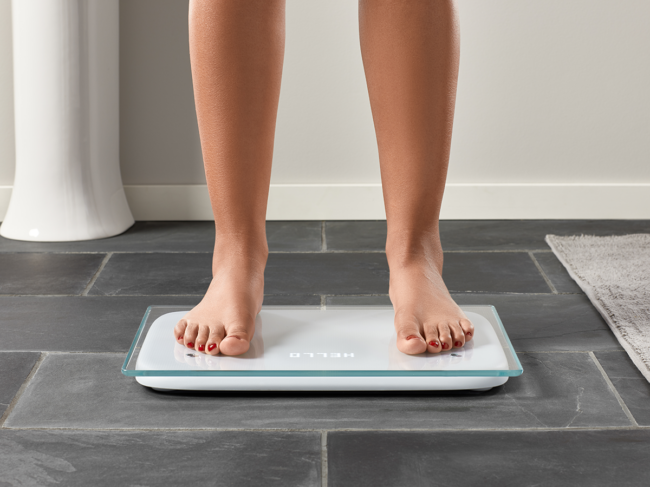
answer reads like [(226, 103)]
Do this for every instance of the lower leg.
[(410, 52), (236, 54)]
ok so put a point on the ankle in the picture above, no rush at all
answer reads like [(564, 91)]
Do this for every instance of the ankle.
[(406, 249), (241, 250)]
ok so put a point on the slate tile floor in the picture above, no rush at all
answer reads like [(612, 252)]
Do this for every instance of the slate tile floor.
[(579, 415)]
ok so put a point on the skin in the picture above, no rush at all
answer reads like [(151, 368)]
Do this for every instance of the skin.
[(410, 52)]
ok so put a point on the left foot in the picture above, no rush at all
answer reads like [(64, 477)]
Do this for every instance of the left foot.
[(426, 317)]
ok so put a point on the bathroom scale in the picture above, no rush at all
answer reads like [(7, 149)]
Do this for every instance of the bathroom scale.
[(317, 348)]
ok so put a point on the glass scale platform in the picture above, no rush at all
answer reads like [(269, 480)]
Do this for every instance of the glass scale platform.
[(310, 348)]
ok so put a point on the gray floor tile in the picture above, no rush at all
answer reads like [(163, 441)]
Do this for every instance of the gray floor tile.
[(323, 273), (292, 299), (41, 273), (553, 322), (356, 235), (508, 458), (632, 386), (187, 236), (14, 369), (480, 234), (526, 234), (136, 458), (493, 272), (154, 274), (76, 324), (88, 391), (357, 300), (293, 236), (557, 273), (315, 273)]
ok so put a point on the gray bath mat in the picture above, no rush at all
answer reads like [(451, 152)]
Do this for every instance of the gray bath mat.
[(614, 272)]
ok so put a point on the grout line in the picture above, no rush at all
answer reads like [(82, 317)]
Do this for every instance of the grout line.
[(338, 430), (323, 238), (323, 302), (323, 458), (613, 389), (539, 268), (24, 385), (94, 278)]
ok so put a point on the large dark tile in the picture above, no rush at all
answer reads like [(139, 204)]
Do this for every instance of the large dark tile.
[(493, 272), (293, 236), (286, 273), (323, 273), (526, 234), (557, 273), (154, 274), (480, 234), (41, 273), (14, 369), (553, 322), (76, 324), (506, 458), (170, 458), (356, 235), (292, 300), (88, 391), (187, 236), (90, 323), (631, 385), (358, 300)]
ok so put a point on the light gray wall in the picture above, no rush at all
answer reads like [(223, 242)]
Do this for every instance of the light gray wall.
[(553, 91)]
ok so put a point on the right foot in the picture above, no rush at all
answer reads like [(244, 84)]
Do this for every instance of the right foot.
[(224, 320)]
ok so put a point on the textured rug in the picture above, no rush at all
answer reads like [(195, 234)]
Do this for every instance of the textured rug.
[(614, 272)]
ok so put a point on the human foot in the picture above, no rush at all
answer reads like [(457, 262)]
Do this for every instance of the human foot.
[(426, 317), (224, 320)]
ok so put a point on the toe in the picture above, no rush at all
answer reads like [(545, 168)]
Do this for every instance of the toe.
[(444, 334), (238, 336), (431, 336), (468, 329), (179, 330), (190, 334), (214, 340), (409, 338), (457, 335), (201, 338)]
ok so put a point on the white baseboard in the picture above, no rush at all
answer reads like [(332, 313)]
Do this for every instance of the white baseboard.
[(462, 201)]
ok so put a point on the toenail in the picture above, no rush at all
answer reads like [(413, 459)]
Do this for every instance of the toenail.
[(469, 333), (458, 344), (201, 348), (211, 346), (444, 346), (412, 336), (433, 344), (191, 344), (180, 337)]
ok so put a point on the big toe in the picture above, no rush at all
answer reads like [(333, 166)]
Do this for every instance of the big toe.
[(234, 345), (409, 339)]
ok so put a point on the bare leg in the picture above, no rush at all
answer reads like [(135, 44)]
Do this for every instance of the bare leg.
[(236, 52), (410, 51)]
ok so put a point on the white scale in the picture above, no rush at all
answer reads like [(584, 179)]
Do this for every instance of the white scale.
[(310, 348)]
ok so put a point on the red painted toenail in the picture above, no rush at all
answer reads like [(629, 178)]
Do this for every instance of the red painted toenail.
[(444, 346), (191, 344), (469, 333), (201, 348), (412, 336), (180, 337), (433, 344), (458, 344), (211, 346)]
